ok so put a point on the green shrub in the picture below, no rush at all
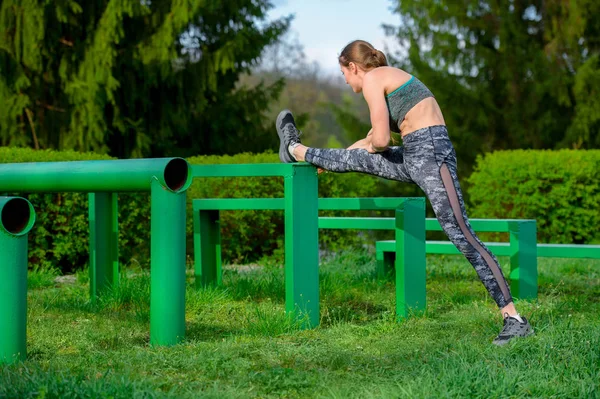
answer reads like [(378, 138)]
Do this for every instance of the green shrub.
[(60, 236), (560, 189), (249, 235)]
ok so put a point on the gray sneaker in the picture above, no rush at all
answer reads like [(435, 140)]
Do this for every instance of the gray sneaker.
[(288, 134), (513, 328)]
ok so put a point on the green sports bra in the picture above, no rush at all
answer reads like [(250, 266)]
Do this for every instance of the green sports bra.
[(403, 99)]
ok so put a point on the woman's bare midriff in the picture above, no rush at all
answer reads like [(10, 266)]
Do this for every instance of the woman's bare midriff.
[(426, 113)]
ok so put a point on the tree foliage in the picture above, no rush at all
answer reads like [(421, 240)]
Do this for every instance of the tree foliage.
[(134, 77), (508, 73)]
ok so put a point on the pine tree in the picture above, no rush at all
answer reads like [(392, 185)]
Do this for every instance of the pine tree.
[(134, 77), (507, 73)]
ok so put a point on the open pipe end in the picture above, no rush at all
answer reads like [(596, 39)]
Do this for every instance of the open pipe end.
[(177, 175), (17, 216)]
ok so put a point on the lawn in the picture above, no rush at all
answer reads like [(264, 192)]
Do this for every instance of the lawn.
[(240, 344)]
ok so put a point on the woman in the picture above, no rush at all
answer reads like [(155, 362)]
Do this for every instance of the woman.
[(401, 103)]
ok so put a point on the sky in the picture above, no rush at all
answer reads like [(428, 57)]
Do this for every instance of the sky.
[(324, 27)]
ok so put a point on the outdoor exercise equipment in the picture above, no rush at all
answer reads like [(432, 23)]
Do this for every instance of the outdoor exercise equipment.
[(16, 219), (167, 180)]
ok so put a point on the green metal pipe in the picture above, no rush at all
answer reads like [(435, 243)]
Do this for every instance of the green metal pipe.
[(167, 266), (95, 176), (104, 242), (16, 219)]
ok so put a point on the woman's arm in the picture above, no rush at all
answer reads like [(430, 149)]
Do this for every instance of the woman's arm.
[(374, 94)]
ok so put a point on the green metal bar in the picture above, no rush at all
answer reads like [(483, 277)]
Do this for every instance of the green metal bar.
[(167, 277), (568, 251), (104, 242), (359, 223), (95, 176), (242, 170), (446, 247), (16, 220), (208, 249), (523, 260), (480, 225), (385, 264), (239, 204), (361, 204), (302, 245), (410, 258)]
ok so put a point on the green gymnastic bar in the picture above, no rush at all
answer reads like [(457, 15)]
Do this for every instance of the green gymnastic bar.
[(16, 219), (167, 180), (300, 204)]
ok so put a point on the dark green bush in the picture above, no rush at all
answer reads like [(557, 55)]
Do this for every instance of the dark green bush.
[(560, 189)]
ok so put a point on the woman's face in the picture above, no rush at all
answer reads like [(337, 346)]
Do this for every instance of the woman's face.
[(350, 73)]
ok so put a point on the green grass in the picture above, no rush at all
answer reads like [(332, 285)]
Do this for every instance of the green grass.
[(240, 344)]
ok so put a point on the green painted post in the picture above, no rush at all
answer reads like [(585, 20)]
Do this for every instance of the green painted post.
[(410, 257), (207, 248), (167, 277), (16, 219), (385, 264), (523, 259), (302, 244), (104, 242)]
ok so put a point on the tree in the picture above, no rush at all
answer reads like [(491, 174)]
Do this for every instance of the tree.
[(134, 77), (507, 73)]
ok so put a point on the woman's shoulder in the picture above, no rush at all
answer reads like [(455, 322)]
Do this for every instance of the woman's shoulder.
[(389, 78)]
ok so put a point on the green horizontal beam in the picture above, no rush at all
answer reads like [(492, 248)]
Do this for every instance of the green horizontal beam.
[(95, 176), (357, 223), (503, 249), (325, 204), (248, 170), (482, 225), (227, 204), (568, 251), (446, 247), (362, 204)]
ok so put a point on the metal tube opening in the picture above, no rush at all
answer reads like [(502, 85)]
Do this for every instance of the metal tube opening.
[(16, 215), (176, 174)]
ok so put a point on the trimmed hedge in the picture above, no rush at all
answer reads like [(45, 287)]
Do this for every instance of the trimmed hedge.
[(560, 189)]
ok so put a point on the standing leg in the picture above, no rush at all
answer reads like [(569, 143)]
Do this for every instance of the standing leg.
[(431, 162)]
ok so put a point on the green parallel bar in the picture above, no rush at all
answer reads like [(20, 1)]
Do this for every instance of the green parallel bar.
[(362, 204), (243, 170), (16, 220), (363, 223), (239, 204), (410, 259), (94, 176), (523, 259), (479, 225), (207, 248), (302, 245), (446, 247), (568, 251), (167, 267), (104, 242)]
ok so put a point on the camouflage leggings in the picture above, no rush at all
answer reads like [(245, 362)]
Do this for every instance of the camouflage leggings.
[(427, 158)]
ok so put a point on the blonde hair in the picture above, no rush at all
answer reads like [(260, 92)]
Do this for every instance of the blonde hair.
[(363, 54)]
